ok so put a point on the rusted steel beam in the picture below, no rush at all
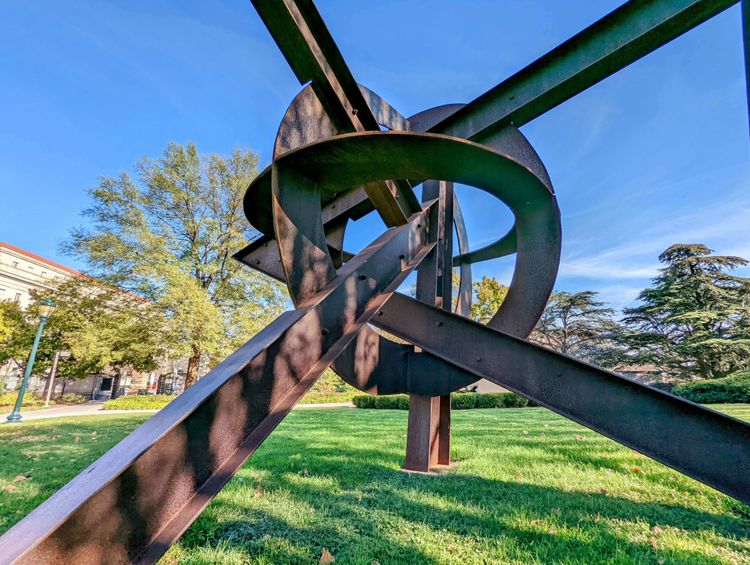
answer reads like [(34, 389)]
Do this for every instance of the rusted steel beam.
[(307, 45), (428, 427), (703, 444), (137, 499), (618, 39)]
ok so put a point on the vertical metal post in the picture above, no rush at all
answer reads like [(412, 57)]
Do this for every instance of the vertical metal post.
[(428, 436), (746, 42), (51, 378), (15, 416)]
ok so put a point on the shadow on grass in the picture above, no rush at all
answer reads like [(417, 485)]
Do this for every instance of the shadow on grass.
[(369, 510)]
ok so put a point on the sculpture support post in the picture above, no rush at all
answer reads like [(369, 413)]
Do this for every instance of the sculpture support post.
[(428, 440)]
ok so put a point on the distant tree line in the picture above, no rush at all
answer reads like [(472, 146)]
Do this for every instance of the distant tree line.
[(161, 283), (693, 321), (160, 280)]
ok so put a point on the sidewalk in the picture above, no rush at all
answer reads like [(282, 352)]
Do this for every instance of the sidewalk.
[(94, 408)]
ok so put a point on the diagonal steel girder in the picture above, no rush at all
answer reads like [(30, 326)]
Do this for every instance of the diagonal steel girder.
[(703, 444), (620, 38), (133, 502), (612, 43), (307, 45)]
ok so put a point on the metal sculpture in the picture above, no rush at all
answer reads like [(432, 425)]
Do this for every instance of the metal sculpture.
[(333, 162)]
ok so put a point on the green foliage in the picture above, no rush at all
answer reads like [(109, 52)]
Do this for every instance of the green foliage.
[(695, 318), (104, 328), (735, 388), (579, 325), (139, 402), (329, 388), (489, 295), (459, 401), (168, 234), (16, 333), (9, 399), (70, 398)]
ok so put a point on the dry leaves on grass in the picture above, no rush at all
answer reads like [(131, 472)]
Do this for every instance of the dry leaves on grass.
[(20, 478), (326, 558), (10, 488)]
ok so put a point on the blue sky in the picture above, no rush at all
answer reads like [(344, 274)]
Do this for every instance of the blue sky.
[(654, 155)]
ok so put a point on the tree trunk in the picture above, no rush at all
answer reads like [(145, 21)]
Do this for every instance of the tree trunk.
[(116, 384), (192, 369)]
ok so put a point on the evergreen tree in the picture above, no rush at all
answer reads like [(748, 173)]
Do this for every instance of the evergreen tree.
[(579, 325), (695, 318)]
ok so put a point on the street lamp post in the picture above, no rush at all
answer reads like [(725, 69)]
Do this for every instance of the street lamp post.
[(45, 311), (53, 372)]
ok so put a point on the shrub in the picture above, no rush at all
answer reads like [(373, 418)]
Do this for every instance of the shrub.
[(9, 399), (734, 388), (464, 401), (459, 401), (139, 402), (71, 398)]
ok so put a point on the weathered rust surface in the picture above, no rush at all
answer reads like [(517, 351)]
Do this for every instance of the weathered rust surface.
[(138, 498), (332, 164)]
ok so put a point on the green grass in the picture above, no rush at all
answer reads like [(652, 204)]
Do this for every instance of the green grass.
[(530, 487), (159, 401)]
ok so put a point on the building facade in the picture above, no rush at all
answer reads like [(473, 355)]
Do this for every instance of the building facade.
[(22, 273)]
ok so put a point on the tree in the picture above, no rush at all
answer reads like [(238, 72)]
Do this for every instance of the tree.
[(489, 295), (579, 325), (695, 318), (105, 328), (13, 326), (168, 235)]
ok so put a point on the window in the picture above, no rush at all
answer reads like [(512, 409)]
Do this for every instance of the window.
[(18, 298), (15, 264), (44, 273)]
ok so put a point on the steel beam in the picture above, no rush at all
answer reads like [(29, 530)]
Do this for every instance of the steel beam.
[(307, 45), (428, 429), (618, 39), (746, 44), (138, 498), (703, 444)]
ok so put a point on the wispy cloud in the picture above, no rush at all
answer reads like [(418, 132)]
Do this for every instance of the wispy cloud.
[(724, 226)]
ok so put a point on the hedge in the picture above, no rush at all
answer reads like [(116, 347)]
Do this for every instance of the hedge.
[(139, 402), (9, 399), (734, 388), (459, 401)]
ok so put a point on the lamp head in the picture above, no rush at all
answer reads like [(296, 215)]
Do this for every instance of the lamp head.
[(46, 307)]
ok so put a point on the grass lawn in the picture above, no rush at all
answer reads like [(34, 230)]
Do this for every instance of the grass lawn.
[(530, 487)]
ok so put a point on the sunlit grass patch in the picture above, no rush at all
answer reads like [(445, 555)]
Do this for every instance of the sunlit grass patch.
[(530, 487)]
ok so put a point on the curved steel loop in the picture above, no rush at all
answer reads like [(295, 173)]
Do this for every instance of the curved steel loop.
[(331, 166), (305, 121)]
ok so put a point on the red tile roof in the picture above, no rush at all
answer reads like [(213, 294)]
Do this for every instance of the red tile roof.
[(39, 258)]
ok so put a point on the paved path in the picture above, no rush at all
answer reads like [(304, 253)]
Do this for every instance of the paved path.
[(94, 408)]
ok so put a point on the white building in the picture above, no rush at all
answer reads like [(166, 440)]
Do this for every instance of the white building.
[(21, 273)]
